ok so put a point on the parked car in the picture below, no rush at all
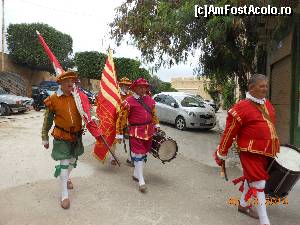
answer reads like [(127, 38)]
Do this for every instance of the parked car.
[(39, 95), (184, 110), (49, 86), (212, 103), (91, 96), (48, 83), (10, 103)]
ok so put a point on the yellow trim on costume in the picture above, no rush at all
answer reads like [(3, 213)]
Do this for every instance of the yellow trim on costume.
[(228, 135), (250, 144), (272, 130), (256, 151), (235, 115)]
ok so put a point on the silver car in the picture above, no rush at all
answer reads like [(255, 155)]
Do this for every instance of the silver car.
[(184, 110), (12, 103)]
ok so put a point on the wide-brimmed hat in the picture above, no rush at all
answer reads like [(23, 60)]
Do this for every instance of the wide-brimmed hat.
[(67, 75), (139, 82), (125, 81)]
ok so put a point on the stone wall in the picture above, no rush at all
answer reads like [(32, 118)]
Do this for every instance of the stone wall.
[(31, 77), (34, 77)]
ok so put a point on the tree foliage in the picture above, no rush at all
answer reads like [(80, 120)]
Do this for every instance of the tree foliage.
[(157, 85), (26, 50), (228, 94), (90, 64), (167, 32), (130, 68)]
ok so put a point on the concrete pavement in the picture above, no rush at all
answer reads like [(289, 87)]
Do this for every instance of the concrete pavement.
[(187, 191)]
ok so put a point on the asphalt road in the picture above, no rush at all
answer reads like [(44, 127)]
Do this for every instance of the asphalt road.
[(187, 191)]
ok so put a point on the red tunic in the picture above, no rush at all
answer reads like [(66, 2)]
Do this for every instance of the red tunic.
[(140, 122), (255, 136), (253, 132)]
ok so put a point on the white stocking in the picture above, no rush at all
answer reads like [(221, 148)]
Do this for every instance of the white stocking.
[(138, 169), (242, 200), (139, 166), (72, 161), (64, 179), (261, 206)]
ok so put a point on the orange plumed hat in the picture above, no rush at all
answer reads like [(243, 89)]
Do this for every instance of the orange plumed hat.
[(125, 81), (67, 75)]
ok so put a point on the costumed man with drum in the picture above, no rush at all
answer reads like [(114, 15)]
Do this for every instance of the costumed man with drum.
[(138, 111), (67, 132), (251, 122), (125, 92)]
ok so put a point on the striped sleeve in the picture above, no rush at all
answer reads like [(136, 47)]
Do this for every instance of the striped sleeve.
[(232, 128), (155, 120), (122, 118), (48, 121)]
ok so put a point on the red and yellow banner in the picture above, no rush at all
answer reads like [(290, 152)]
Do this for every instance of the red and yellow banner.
[(108, 101)]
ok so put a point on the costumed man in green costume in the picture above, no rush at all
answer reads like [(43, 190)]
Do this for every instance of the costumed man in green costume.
[(67, 132)]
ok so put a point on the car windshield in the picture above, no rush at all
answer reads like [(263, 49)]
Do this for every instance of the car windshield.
[(199, 97), (53, 88), (190, 101)]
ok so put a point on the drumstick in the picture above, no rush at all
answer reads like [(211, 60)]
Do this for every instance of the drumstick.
[(223, 172)]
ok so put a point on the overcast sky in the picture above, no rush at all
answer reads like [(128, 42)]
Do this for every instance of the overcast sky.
[(87, 23)]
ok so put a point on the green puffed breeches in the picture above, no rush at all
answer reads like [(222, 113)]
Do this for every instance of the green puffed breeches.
[(67, 150)]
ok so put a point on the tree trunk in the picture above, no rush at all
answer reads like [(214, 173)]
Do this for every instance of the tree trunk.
[(242, 81)]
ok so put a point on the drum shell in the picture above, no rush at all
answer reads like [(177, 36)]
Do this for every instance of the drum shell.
[(157, 139), (157, 142), (281, 180)]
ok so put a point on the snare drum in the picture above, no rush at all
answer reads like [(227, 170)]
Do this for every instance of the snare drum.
[(164, 148), (284, 172)]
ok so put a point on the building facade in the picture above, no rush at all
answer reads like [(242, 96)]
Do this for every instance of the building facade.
[(283, 71), (191, 85)]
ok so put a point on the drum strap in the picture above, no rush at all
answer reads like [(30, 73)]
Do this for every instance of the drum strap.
[(146, 107)]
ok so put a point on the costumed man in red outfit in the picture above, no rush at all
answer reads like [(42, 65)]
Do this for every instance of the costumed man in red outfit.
[(251, 122), (138, 112)]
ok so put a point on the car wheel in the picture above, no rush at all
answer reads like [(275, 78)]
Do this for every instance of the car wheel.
[(180, 123), (4, 110)]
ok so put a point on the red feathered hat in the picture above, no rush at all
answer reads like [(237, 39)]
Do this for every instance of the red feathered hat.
[(139, 82)]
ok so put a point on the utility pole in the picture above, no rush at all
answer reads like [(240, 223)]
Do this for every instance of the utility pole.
[(3, 37)]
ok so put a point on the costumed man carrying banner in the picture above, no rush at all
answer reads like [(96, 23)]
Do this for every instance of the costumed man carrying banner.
[(138, 111), (125, 92), (251, 123), (67, 132), (68, 107)]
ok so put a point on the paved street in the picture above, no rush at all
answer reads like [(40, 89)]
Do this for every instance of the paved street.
[(187, 191)]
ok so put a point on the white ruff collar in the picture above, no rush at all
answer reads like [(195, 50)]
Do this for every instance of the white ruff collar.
[(256, 100), (59, 92)]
